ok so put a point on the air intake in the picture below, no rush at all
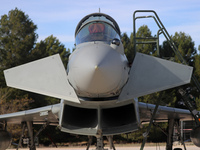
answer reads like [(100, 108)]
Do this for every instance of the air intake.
[(115, 118)]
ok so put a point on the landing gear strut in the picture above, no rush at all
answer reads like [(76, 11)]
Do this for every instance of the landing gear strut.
[(100, 145), (31, 138)]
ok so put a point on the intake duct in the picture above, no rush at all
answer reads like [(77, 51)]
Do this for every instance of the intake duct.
[(115, 119), (118, 119), (79, 117)]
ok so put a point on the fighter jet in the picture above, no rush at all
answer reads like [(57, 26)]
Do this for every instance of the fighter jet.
[(98, 89)]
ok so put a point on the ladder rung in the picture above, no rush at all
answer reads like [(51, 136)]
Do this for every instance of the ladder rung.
[(146, 42), (146, 38)]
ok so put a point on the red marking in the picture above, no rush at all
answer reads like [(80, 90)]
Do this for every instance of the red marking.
[(96, 28)]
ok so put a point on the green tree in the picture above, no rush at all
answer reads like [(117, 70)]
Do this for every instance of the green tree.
[(50, 46), (197, 66), (184, 44), (128, 47), (144, 32), (17, 38), (128, 43), (197, 75)]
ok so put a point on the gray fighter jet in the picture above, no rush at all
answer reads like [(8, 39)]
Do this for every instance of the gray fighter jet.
[(98, 89)]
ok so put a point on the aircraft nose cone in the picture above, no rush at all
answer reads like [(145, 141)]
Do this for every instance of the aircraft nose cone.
[(96, 67), (95, 70)]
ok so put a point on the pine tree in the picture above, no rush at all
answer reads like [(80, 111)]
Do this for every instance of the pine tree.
[(144, 32), (185, 46), (50, 46), (17, 38)]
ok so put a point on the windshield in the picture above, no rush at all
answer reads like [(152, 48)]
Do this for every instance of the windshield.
[(96, 31)]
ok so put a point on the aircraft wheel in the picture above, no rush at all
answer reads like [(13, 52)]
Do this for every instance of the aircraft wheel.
[(177, 148)]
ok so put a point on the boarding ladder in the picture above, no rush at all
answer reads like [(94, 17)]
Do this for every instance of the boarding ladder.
[(155, 40), (162, 30)]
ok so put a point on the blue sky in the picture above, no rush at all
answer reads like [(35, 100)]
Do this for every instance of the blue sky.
[(60, 17)]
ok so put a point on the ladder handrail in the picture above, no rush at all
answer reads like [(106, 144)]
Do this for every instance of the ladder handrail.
[(162, 28), (165, 33)]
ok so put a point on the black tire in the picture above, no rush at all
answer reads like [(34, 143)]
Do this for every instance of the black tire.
[(177, 148)]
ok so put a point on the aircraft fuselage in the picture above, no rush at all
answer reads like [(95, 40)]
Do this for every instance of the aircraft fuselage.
[(97, 69)]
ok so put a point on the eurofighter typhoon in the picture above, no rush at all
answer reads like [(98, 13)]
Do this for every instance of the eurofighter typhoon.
[(98, 89)]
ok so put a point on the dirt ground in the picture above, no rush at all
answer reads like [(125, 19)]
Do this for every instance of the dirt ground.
[(117, 148)]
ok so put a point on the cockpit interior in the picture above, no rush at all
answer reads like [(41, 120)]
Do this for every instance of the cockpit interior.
[(97, 28)]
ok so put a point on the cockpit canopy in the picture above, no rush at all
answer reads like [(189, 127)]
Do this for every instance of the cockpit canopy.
[(97, 27), (96, 31)]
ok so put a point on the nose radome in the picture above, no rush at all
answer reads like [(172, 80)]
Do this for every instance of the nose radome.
[(96, 67), (95, 70), (105, 77)]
